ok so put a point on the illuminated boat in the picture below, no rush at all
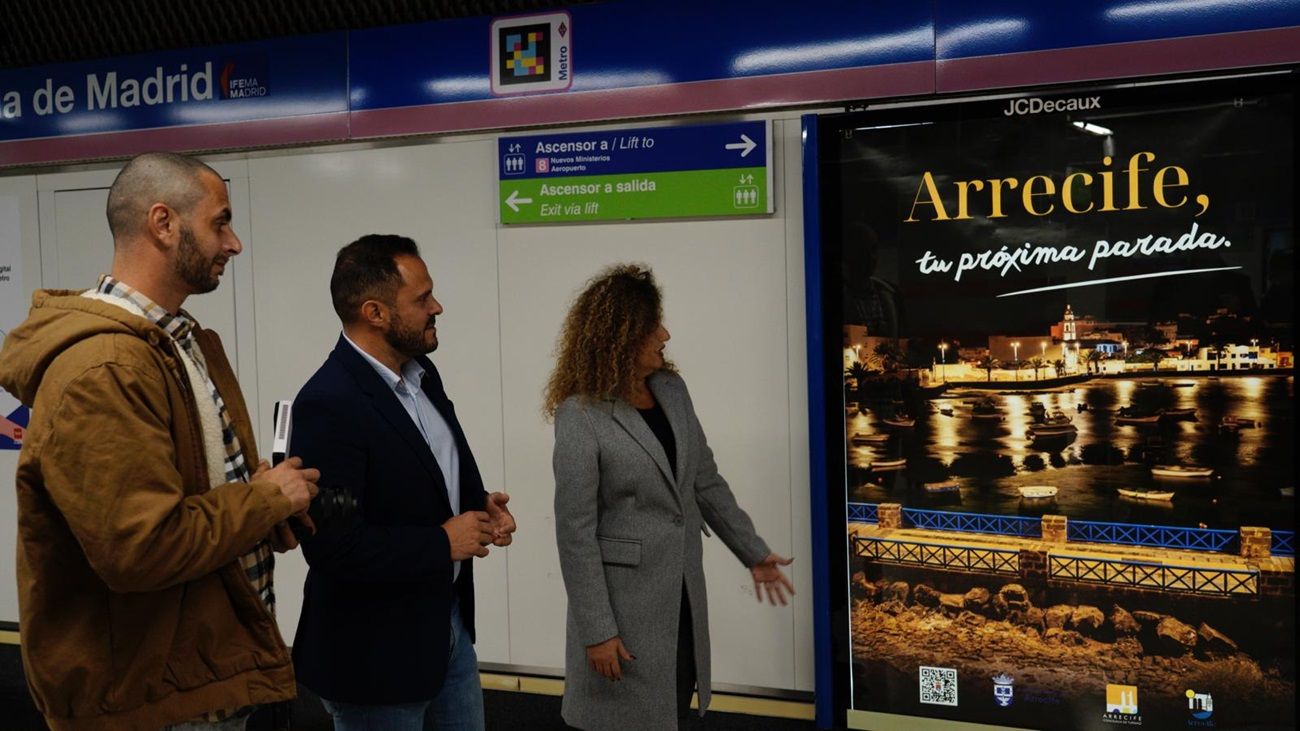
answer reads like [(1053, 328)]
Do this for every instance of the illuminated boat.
[(1037, 492), (1160, 495), (1178, 470), (861, 438), (1039, 431), (986, 409)]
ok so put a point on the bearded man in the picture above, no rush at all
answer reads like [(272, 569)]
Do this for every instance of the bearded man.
[(146, 522), (387, 627)]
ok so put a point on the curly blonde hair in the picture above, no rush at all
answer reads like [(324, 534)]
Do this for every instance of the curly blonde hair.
[(603, 333)]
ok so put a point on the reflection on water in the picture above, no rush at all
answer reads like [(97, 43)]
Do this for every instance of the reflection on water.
[(991, 458)]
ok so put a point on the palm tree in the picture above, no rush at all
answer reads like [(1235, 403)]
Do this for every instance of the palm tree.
[(988, 363), (1094, 360), (889, 355), (1059, 365), (1037, 364), (858, 373)]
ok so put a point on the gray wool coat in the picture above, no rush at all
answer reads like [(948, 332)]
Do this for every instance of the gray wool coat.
[(630, 536)]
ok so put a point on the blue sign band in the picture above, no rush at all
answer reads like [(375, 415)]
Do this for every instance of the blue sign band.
[(643, 150), (283, 78)]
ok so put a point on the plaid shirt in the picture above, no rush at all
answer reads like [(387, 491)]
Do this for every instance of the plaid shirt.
[(258, 562)]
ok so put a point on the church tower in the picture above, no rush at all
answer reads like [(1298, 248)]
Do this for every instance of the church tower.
[(1069, 337)]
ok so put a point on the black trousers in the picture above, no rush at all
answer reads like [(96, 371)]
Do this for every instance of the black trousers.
[(685, 659)]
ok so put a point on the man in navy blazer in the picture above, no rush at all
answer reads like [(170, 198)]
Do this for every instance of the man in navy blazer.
[(387, 626)]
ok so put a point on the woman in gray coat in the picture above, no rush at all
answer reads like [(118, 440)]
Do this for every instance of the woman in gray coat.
[(636, 487)]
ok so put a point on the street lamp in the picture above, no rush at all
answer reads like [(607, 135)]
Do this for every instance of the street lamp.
[(943, 360), (1015, 356)]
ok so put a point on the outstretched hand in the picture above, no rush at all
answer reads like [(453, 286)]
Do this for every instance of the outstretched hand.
[(503, 523), (770, 579)]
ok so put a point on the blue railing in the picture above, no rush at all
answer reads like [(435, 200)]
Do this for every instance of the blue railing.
[(1283, 543), (1006, 525), (1159, 536), (1088, 531), (862, 513)]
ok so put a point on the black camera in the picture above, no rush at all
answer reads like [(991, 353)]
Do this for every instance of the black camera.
[(331, 509)]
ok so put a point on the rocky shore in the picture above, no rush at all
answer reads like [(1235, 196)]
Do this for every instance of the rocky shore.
[(1063, 649)]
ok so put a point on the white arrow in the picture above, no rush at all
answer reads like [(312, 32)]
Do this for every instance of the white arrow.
[(746, 144), (514, 200)]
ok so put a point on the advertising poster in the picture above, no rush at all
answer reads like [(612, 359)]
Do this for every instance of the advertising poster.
[(1061, 403)]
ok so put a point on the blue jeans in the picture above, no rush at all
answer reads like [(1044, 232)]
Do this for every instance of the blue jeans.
[(232, 724), (457, 707)]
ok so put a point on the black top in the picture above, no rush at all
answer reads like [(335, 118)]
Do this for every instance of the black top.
[(657, 420)]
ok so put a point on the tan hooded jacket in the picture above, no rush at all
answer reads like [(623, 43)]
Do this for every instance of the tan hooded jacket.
[(133, 610)]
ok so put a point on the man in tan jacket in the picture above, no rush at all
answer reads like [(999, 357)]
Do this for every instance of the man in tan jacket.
[(145, 519)]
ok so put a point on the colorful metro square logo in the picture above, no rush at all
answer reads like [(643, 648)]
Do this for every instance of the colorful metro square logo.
[(532, 53), (525, 54)]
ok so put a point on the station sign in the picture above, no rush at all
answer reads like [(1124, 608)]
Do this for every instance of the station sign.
[(694, 171)]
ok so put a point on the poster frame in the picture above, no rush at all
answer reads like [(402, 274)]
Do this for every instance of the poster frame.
[(831, 601)]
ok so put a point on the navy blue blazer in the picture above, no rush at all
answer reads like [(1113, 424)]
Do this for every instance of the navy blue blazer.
[(376, 607)]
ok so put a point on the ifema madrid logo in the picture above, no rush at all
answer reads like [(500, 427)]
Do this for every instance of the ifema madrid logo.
[(244, 77)]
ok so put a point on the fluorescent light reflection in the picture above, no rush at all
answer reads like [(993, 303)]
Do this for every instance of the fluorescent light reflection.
[(619, 78), (1095, 129), (892, 126), (1165, 9), (459, 86), (817, 56), (996, 32)]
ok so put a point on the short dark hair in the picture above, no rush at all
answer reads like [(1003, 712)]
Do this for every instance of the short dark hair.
[(366, 269), (149, 178)]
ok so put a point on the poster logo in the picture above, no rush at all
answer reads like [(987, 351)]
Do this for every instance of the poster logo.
[(532, 53), (938, 686), (1034, 105), (1122, 705), (1201, 706), (1003, 689), (244, 78)]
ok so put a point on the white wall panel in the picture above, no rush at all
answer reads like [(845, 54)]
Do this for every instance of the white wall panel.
[(21, 190), (734, 303), (725, 292)]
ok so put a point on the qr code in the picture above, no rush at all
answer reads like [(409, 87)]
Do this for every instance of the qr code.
[(939, 686)]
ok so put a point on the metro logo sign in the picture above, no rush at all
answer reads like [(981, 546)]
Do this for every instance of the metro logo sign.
[(532, 53)]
